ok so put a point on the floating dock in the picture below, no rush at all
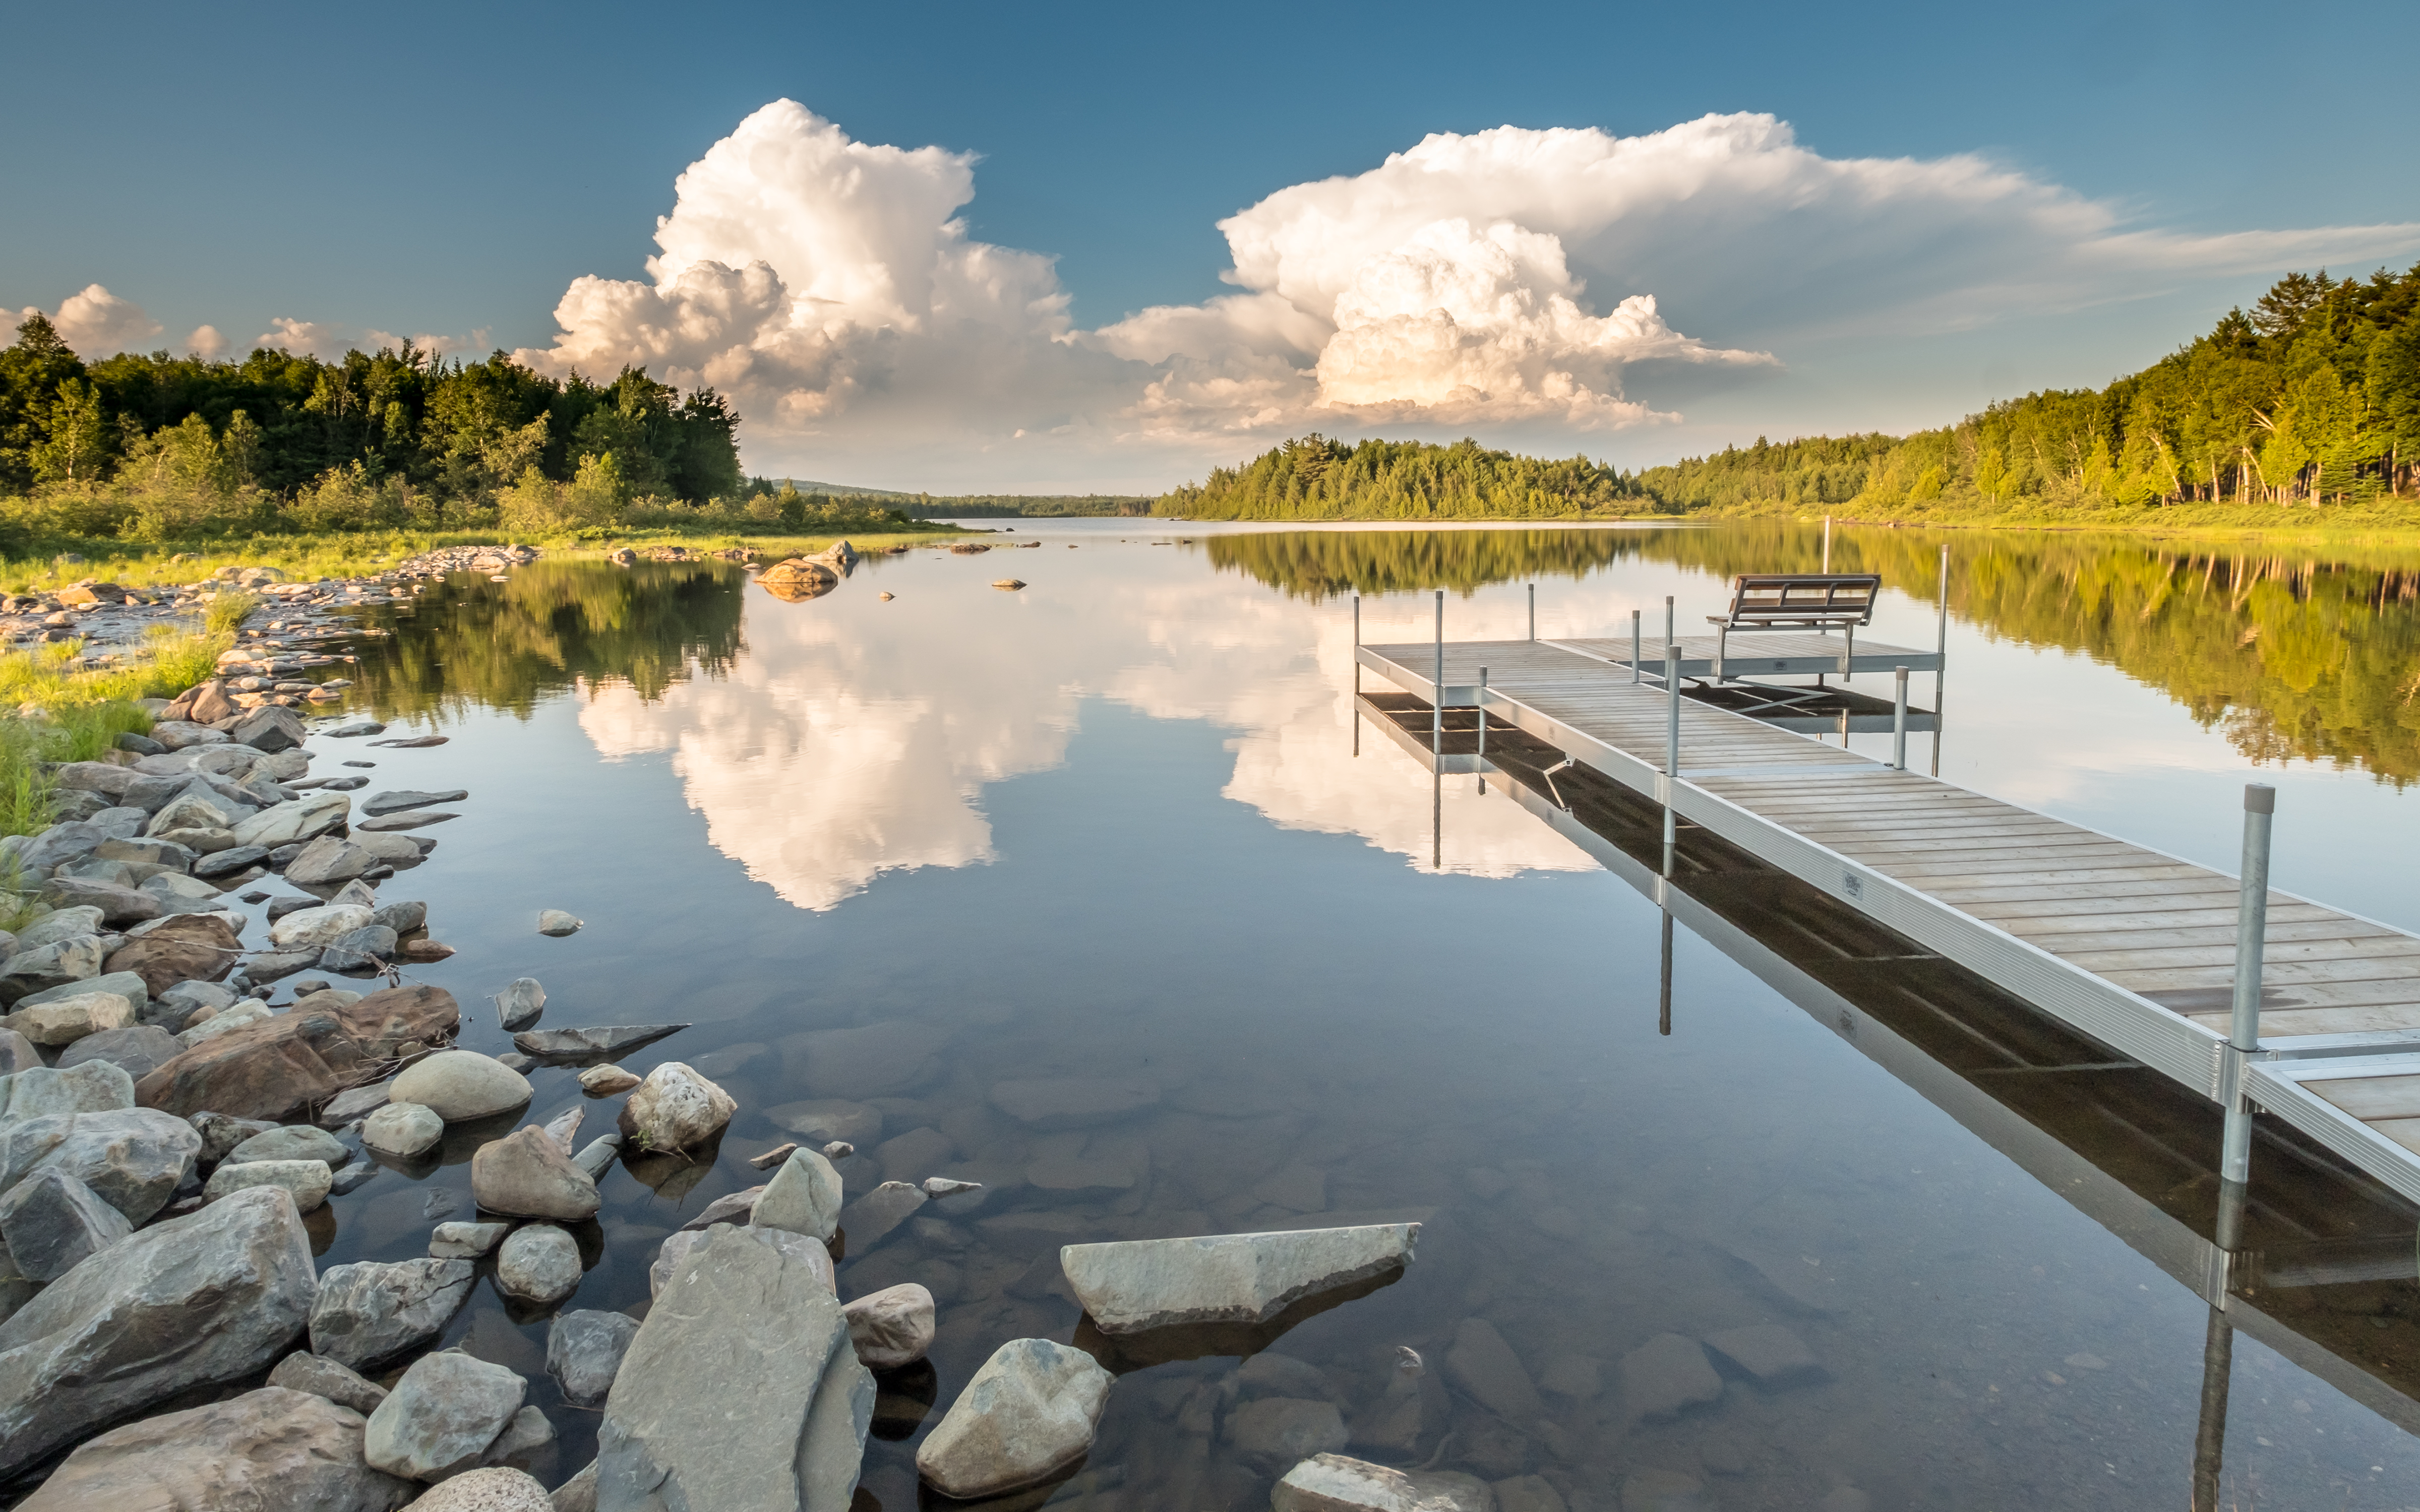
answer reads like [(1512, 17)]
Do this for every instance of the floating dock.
[(2130, 947)]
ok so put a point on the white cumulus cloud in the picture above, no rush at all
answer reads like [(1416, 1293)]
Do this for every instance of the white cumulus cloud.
[(95, 323), (1529, 281), (206, 343)]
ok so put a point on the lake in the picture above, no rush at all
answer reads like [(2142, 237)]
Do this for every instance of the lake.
[(1120, 822)]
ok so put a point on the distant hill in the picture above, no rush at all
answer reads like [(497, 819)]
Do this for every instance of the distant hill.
[(974, 506)]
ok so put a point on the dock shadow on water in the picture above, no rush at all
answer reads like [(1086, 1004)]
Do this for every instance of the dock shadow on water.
[(887, 856)]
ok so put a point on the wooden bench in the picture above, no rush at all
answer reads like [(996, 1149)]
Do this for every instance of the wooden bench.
[(1798, 601)]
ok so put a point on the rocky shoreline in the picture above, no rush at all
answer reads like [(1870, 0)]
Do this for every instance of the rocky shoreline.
[(177, 1101)]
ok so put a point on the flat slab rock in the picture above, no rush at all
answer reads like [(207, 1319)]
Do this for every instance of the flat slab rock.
[(1230, 1278), (399, 799), (602, 1039), (272, 1447), (1334, 1483)]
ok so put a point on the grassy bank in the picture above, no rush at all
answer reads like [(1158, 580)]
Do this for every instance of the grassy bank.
[(2386, 520)]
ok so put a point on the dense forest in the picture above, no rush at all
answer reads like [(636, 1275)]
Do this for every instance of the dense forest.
[(1314, 478), (152, 447), (2311, 399)]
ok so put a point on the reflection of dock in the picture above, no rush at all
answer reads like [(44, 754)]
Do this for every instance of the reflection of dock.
[(2128, 946), (2321, 1258)]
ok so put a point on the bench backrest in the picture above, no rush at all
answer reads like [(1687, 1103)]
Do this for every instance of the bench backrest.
[(1804, 598)]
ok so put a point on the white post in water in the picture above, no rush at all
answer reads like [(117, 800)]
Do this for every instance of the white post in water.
[(1899, 722), (1482, 716), (1637, 671), (1670, 637), (1672, 746), (2251, 939), (1534, 611), (1436, 689), (1827, 543)]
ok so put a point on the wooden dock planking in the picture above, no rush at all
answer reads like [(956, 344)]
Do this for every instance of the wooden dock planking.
[(2092, 928)]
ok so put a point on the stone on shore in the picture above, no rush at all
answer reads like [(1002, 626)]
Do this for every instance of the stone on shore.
[(804, 1198), (371, 1311), (208, 1298), (892, 1327), (519, 1004), (466, 1241), (604, 1039), (1232, 1278), (322, 1377), (555, 923), (269, 728), (526, 1175), (270, 1450), (605, 1081), (44, 1091), (137, 1050), (442, 1417), (584, 1352), (290, 1141), (539, 1264), (1026, 1415), (496, 1489), (307, 817), (308, 1181), (134, 1158), (676, 1432), (279, 1067), (401, 1131), (51, 1222), (63, 1021), (1333, 1483), (675, 1108), (41, 967), (461, 1085), (326, 861), (306, 928), (17, 1053), (120, 906)]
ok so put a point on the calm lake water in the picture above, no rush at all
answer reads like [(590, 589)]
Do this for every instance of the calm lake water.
[(1115, 824)]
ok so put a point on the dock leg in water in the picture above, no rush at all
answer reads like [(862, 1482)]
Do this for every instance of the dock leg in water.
[(1672, 746), (2217, 1357), (1663, 997)]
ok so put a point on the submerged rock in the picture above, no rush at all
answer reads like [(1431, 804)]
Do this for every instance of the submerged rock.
[(1333, 1483), (1769, 1353), (1073, 1101), (871, 1218), (1665, 1377), (208, 1298), (607, 1039), (676, 1433), (1232, 1278), (274, 1450), (1029, 1413)]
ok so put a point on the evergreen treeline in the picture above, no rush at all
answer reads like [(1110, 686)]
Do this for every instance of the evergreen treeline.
[(2311, 398), (155, 447), (1314, 478)]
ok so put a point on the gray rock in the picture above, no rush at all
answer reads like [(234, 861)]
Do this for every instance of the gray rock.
[(1769, 1353), (804, 1198), (125, 984), (135, 1158), (268, 1449), (1232, 1279), (352, 1174), (290, 1141), (175, 1006), (190, 809), (461, 1085), (1333, 1483), (407, 821), (1665, 1377), (355, 1102), (892, 1327), (371, 1311), (584, 1352), (526, 1175), (397, 800), (527, 1433), (51, 966), (247, 1012), (305, 1371), (1026, 1415), (364, 950), (309, 927), (442, 1417), (17, 1053), (230, 862), (221, 1133), (137, 1050), (193, 1302), (811, 1253), (306, 818), (519, 1005), (119, 905), (676, 1436), (402, 1131), (59, 925), (466, 1241), (308, 1181), (870, 1219), (1273, 1432), (555, 923), (598, 1154), (43, 1092), (731, 1208), (538, 1264), (395, 851), (563, 1128), (183, 895), (51, 1222), (328, 859), (675, 1108), (604, 1039), (269, 728)]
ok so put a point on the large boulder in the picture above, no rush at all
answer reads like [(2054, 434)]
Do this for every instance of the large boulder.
[(497, 1488), (194, 947), (461, 1085), (1026, 1416), (676, 1435), (584, 1351), (271, 1450), (138, 1050), (526, 1175), (208, 1298), (51, 1222), (442, 1416), (134, 1158), (1229, 1278), (280, 1067), (675, 1108), (269, 728), (371, 1311), (119, 905), (45, 967), (63, 1021), (41, 1091)]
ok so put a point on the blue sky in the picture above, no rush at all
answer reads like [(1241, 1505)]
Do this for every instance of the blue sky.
[(452, 170)]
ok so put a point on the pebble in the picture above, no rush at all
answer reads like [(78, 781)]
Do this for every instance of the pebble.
[(555, 923), (605, 1081)]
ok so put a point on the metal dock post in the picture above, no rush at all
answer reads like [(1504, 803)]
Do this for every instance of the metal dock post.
[(2251, 940), (1899, 719), (1637, 672), (1672, 746)]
